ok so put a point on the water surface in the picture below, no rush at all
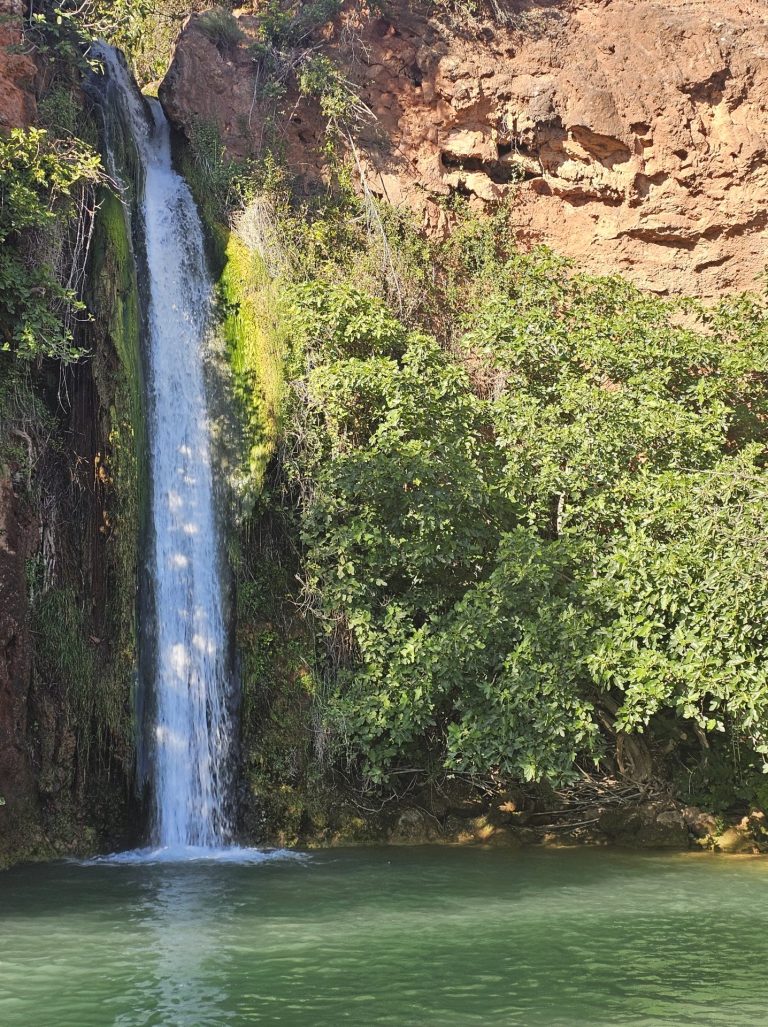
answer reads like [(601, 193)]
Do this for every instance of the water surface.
[(435, 936)]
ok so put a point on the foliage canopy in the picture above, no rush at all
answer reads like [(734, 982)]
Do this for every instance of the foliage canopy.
[(567, 520), (39, 180)]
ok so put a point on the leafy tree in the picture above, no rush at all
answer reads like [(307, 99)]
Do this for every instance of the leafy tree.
[(685, 603), (412, 543), (568, 520), (39, 182)]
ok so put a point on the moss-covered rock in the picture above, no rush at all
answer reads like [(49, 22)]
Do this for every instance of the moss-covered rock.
[(84, 662), (256, 346)]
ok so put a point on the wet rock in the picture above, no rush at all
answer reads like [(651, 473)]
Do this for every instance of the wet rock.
[(700, 823), (645, 827), (504, 838), (415, 827), (18, 531), (758, 825), (735, 839), (484, 830)]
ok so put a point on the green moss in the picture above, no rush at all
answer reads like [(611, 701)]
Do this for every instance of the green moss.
[(25, 421), (61, 650), (256, 344), (116, 296), (88, 671), (123, 467), (21, 837), (278, 756)]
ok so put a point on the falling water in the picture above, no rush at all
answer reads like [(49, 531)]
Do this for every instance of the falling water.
[(191, 727)]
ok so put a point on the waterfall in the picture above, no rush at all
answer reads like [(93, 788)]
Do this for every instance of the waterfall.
[(190, 701)]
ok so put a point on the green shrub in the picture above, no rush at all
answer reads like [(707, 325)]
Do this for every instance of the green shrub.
[(221, 27), (319, 77), (286, 24), (145, 30), (219, 183), (39, 183), (492, 572), (59, 112)]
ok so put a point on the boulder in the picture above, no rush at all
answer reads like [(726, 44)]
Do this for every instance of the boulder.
[(415, 827), (735, 839), (645, 827)]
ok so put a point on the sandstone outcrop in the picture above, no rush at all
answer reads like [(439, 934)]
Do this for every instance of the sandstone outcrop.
[(17, 70), (632, 136)]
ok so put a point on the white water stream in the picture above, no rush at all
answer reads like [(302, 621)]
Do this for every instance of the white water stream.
[(192, 729)]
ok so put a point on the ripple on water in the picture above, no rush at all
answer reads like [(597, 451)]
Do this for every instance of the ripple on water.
[(193, 854), (426, 937)]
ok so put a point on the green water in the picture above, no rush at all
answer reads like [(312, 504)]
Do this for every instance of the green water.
[(398, 936)]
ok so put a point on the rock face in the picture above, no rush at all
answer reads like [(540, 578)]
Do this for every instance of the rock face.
[(651, 826), (17, 70), (18, 540), (19, 529), (632, 136)]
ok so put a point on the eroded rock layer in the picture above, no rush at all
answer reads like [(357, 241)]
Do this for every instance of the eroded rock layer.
[(632, 135)]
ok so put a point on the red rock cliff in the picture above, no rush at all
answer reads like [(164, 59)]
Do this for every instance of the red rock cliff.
[(17, 70), (633, 133)]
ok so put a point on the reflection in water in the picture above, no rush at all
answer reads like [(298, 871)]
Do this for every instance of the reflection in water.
[(184, 918), (428, 937)]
